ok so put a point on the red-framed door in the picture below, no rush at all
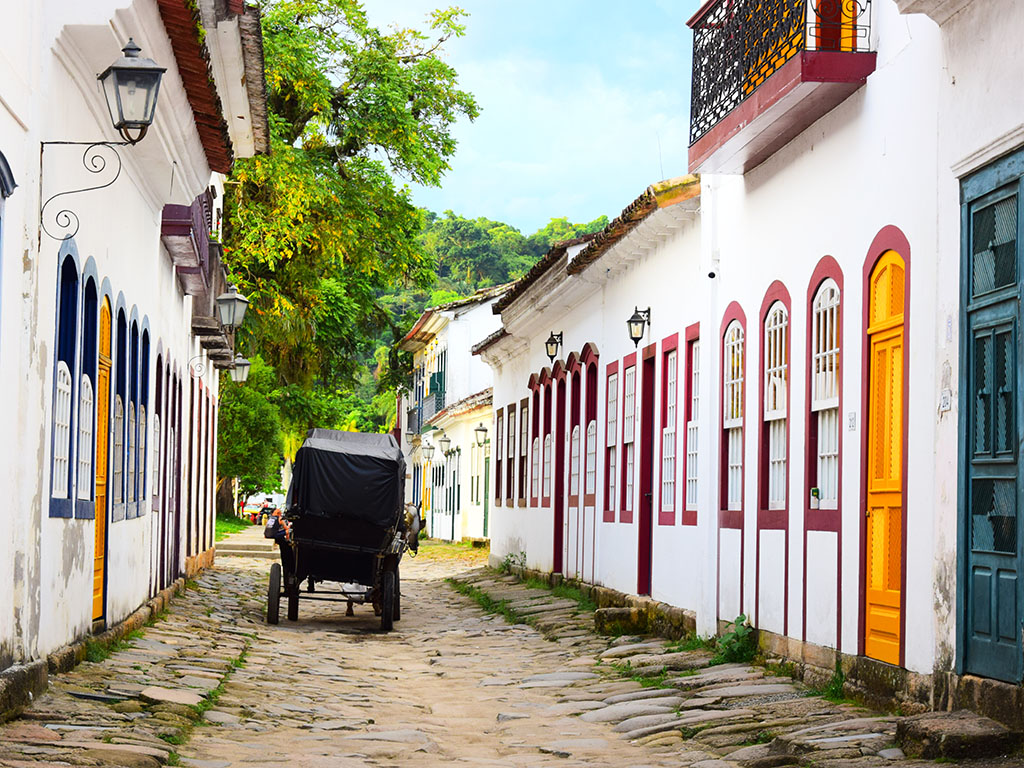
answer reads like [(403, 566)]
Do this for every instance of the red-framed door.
[(646, 479)]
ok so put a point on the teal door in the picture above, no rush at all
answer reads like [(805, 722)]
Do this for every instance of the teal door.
[(991, 411)]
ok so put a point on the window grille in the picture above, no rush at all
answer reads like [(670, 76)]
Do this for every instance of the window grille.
[(142, 452), (535, 476), (85, 441), (612, 412), (732, 376), (668, 436), (574, 462), (629, 477), (776, 364), (132, 440), (825, 389), (591, 483), (734, 499), (62, 432), (172, 465), (510, 451), (118, 450), (629, 405), (547, 465), (612, 477), (692, 427), (156, 455), (524, 446)]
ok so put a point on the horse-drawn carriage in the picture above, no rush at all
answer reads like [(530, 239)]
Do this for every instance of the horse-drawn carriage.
[(344, 522)]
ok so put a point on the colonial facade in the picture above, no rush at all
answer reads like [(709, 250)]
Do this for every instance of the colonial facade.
[(450, 397), (820, 426), (109, 271)]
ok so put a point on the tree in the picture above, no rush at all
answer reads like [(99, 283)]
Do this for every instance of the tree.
[(250, 443)]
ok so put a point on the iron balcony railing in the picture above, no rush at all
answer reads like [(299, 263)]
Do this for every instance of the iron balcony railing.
[(739, 44), (432, 404)]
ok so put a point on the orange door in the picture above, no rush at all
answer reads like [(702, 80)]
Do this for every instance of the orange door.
[(884, 566), (102, 433)]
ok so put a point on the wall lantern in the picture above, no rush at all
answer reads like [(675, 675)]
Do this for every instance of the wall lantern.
[(428, 451), (231, 308), (241, 370), (480, 433), (131, 85), (552, 344), (445, 442), (636, 324)]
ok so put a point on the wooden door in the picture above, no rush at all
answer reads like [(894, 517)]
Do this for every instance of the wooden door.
[(991, 435), (645, 538), (102, 435), (559, 479), (884, 547)]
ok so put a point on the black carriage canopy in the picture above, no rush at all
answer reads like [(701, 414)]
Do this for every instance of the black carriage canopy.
[(349, 475)]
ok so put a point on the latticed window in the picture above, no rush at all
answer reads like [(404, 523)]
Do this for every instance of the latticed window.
[(776, 364), (172, 466), (574, 462), (156, 455), (142, 452), (628, 485), (535, 473), (547, 465), (668, 436), (524, 447), (510, 450), (499, 442), (732, 417), (613, 469), (692, 427), (591, 481), (62, 432), (825, 389), (118, 450), (85, 416), (612, 410), (132, 440), (628, 424)]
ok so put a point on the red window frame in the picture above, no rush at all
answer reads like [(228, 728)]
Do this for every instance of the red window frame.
[(575, 372), (590, 362), (668, 345), (524, 451), (499, 424), (535, 438), (692, 337), (772, 519), (731, 518), (510, 453), (609, 502), (547, 455)]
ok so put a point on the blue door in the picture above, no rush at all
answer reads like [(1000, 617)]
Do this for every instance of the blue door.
[(991, 418)]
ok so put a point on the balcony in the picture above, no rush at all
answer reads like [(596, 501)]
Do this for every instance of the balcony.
[(432, 404), (413, 420), (765, 70)]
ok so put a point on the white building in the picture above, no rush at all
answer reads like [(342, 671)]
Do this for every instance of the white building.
[(447, 457), (107, 330), (820, 427)]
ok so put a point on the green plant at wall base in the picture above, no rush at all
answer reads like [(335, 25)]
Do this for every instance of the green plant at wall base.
[(510, 561), (737, 644)]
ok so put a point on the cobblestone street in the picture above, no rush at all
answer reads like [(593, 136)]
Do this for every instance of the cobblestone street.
[(451, 684)]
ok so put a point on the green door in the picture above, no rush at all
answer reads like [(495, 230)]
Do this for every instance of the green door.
[(991, 412), (487, 493)]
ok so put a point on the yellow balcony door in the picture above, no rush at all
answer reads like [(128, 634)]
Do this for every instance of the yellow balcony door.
[(884, 550), (102, 433)]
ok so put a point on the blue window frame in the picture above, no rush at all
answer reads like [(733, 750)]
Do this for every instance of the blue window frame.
[(62, 464)]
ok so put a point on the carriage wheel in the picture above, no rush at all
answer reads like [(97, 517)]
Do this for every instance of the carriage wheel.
[(387, 613), (398, 596), (293, 602), (274, 594)]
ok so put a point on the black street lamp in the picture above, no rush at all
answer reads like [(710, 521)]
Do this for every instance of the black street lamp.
[(480, 433), (552, 344), (131, 85), (636, 324), (241, 370), (231, 308)]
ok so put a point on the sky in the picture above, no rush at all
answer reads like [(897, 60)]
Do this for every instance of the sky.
[(584, 103)]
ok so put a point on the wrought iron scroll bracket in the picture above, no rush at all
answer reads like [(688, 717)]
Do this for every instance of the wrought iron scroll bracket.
[(95, 160), (198, 365)]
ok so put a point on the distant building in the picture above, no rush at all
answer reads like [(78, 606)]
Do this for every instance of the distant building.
[(108, 333), (450, 396), (819, 423)]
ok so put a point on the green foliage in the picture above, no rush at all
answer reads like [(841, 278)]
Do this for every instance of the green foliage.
[(250, 443), (692, 643), (833, 689), (512, 560), (224, 526), (488, 603), (737, 644)]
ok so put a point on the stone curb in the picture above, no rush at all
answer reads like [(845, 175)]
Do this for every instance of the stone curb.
[(21, 683), (651, 616)]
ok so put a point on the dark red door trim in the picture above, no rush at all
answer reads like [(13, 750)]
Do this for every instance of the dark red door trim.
[(646, 475)]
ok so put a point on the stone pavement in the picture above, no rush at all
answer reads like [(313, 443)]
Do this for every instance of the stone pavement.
[(211, 685)]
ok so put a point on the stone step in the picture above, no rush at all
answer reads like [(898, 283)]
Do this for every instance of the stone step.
[(266, 554), (955, 735), (227, 546)]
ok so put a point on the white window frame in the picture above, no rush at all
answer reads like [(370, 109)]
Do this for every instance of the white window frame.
[(693, 428), (825, 351), (732, 376), (547, 465), (118, 474), (590, 486), (612, 500), (612, 411), (628, 432), (524, 449), (574, 462), (132, 448), (535, 468), (86, 403), (61, 432), (734, 478), (668, 434), (776, 372)]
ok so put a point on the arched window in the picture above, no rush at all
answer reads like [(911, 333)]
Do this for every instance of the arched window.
[(611, 438), (547, 466), (825, 390), (591, 478), (62, 432), (732, 417), (132, 442), (118, 479), (156, 459), (574, 462), (692, 424), (535, 468), (776, 371), (85, 418)]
